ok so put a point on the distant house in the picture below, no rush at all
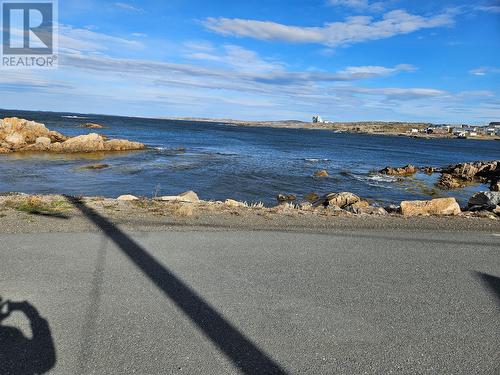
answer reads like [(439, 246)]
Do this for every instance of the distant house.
[(439, 130), (459, 132), (414, 130)]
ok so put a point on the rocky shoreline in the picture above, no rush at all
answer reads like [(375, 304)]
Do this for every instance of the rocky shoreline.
[(20, 135), (455, 176)]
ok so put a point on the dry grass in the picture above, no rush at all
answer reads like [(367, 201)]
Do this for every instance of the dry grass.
[(181, 209), (149, 205), (178, 209), (36, 205)]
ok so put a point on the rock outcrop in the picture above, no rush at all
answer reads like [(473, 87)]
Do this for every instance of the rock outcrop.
[(91, 126), (448, 181), (283, 198), (459, 175), (407, 170), (440, 206), (321, 173), (19, 135), (94, 167)]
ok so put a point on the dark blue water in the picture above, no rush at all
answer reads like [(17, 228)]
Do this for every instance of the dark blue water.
[(245, 163)]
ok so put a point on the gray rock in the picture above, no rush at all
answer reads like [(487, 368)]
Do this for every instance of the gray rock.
[(366, 210), (393, 209), (342, 199), (283, 198), (484, 200)]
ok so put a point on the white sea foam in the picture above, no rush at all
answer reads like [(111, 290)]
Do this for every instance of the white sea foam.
[(315, 160), (381, 178), (80, 117), (378, 181)]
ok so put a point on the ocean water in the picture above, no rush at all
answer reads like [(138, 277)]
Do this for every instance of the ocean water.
[(220, 161)]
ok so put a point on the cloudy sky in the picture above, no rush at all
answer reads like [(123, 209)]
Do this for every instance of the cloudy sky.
[(344, 59)]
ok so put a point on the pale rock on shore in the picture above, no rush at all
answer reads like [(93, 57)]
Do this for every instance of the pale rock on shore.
[(187, 197), (441, 206), (19, 135)]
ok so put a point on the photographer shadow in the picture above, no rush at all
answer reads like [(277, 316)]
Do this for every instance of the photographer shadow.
[(20, 354)]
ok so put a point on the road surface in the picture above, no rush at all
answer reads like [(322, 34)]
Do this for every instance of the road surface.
[(253, 302)]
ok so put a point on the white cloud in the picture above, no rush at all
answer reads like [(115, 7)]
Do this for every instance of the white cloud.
[(398, 93), (488, 8), (129, 7), (484, 70), (233, 56), (360, 5), (353, 30), (74, 40)]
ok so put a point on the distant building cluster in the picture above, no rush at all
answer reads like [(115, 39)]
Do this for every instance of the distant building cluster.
[(463, 131)]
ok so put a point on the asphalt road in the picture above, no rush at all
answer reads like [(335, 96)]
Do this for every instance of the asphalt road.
[(224, 302)]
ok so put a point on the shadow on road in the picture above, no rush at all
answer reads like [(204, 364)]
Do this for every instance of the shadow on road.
[(20, 355), (244, 354), (491, 282)]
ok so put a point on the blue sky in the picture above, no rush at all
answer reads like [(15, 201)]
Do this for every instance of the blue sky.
[(347, 60)]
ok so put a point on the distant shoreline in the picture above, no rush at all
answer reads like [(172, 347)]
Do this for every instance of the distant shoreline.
[(384, 128)]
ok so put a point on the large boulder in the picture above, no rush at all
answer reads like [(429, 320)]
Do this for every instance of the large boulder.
[(484, 200), (341, 200), (186, 197), (440, 206), (127, 197), (407, 170), (83, 143), (234, 203)]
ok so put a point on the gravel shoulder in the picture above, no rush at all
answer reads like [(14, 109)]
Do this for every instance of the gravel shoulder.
[(149, 216)]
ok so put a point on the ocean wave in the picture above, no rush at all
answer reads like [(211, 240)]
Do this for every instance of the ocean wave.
[(378, 181), (315, 160), (79, 117)]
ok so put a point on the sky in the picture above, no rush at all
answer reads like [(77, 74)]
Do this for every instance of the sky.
[(346, 60)]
